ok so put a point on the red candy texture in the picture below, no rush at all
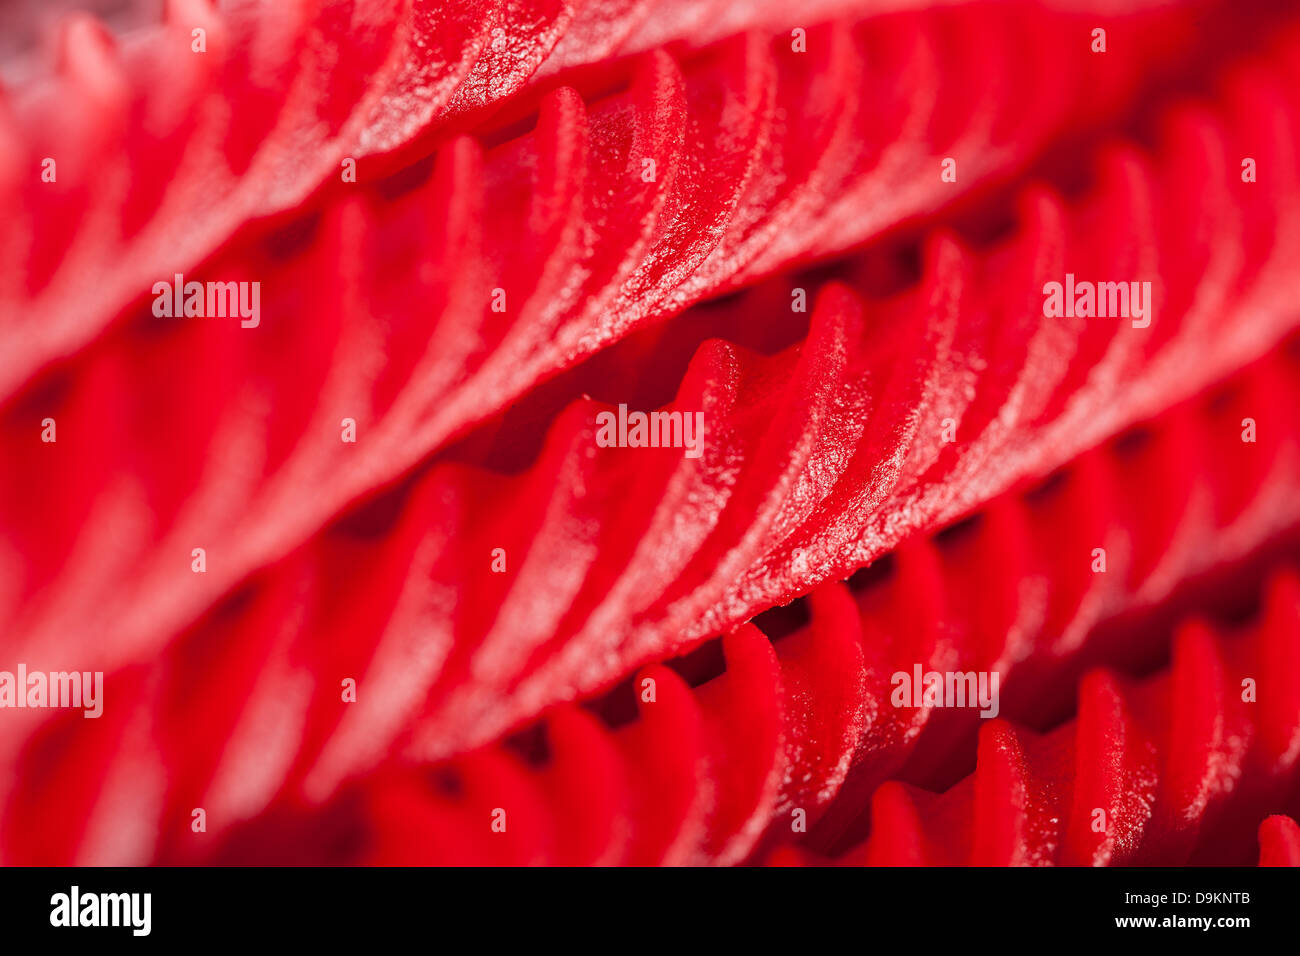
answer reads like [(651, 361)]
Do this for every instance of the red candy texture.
[(650, 432)]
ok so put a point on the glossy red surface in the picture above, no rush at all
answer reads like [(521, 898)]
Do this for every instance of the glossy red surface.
[(561, 207)]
